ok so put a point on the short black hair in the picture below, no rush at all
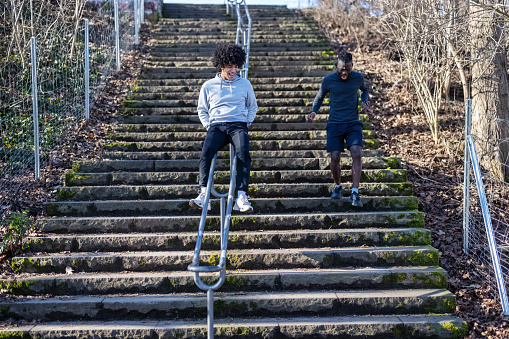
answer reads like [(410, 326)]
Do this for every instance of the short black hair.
[(345, 57), (228, 54)]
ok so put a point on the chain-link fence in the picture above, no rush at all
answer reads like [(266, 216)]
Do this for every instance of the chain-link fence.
[(486, 226), (60, 67)]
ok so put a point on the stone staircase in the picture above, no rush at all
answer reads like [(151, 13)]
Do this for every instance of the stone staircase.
[(301, 266)]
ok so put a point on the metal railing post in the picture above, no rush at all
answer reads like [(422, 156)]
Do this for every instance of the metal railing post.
[(87, 74), (142, 11), (117, 35), (466, 176), (135, 22), (35, 107)]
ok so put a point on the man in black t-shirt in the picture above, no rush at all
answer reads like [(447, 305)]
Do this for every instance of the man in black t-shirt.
[(344, 125)]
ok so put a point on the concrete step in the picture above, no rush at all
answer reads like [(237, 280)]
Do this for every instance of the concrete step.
[(269, 305), (258, 59), (325, 52), (204, 34), (255, 222), (113, 208), (262, 190), (260, 89), (200, 135), (199, 127), (251, 259), (223, 177), (161, 74), (421, 326), (194, 95), (317, 39), (223, 164), (262, 49), (186, 115), (255, 145), (199, 79), (175, 155), (238, 240), (96, 283), (269, 103)]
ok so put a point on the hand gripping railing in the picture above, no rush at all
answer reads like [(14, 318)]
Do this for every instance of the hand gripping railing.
[(225, 228)]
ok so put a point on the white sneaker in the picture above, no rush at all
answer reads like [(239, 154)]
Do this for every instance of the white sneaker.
[(198, 201), (242, 204)]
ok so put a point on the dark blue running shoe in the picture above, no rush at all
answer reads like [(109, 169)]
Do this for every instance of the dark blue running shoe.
[(355, 199), (337, 192)]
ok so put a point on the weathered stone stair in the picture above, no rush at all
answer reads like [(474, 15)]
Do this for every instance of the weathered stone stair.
[(301, 266)]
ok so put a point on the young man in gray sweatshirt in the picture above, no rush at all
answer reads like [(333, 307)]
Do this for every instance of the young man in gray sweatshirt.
[(344, 125), (226, 107)]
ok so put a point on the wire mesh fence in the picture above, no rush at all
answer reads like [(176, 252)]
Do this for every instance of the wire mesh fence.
[(60, 70), (497, 196)]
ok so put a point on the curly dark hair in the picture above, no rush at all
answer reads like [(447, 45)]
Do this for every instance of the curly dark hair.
[(345, 57), (228, 54)]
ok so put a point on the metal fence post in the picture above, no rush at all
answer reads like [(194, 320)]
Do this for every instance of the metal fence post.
[(87, 74), (136, 22), (466, 176), (142, 11), (35, 107), (117, 36)]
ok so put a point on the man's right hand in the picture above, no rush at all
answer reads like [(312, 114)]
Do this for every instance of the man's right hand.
[(311, 116)]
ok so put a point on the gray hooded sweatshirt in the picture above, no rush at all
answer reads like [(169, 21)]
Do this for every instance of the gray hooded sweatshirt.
[(226, 101)]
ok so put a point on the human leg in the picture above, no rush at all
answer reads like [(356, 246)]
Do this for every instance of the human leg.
[(239, 137), (214, 141), (335, 145), (354, 144)]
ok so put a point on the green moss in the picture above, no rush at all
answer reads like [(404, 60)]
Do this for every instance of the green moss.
[(76, 166), (65, 194), (236, 282), (407, 239), (128, 103), (457, 333), (52, 209), (424, 259), (213, 260), (11, 335), (394, 279), (16, 287), (392, 163)]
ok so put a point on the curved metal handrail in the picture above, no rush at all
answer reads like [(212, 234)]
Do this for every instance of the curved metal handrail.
[(225, 208)]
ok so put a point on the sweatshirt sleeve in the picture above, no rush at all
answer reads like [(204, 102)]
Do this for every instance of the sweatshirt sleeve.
[(317, 103), (252, 106), (203, 108), (365, 91)]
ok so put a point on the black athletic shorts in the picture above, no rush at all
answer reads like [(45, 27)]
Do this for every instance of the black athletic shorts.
[(339, 133)]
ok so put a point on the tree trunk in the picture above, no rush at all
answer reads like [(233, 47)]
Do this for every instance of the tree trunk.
[(490, 90)]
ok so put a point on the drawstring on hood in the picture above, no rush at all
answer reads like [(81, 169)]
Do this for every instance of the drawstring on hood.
[(237, 77)]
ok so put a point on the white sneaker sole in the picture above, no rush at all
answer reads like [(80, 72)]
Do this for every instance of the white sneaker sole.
[(245, 210), (192, 203)]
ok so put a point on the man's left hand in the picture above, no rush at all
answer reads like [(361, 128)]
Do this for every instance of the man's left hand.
[(364, 107)]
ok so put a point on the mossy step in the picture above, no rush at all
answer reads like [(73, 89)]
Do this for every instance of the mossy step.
[(322, 52), (258, 59), (223, 177), (301, 49), (200, 135), (255, 145), (289, 126), (96, 283), (237, 240), (194, 95), (174, 155), (99, 225), (436, 326), (162, 35), (250, 259), (255, 73), (254, 304), (224, 164), (265, 103), (261, 190), (198, 80), (112, 208), (260, 88), (318, 40)]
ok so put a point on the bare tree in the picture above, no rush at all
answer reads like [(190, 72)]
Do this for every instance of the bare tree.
[(490, 87)]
